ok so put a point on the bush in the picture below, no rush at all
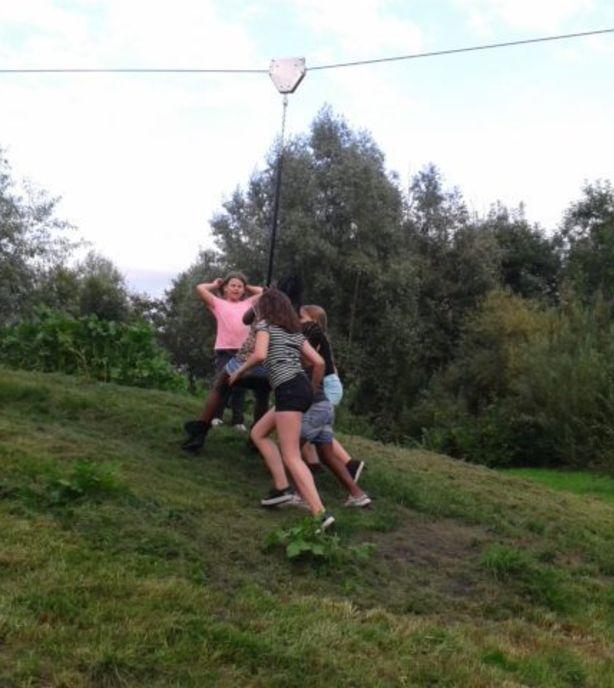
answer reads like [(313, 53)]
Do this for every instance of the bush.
[(529, 386), (112, 352), (307, 541)]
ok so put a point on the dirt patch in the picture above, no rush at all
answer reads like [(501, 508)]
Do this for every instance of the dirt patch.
[(443, 555)]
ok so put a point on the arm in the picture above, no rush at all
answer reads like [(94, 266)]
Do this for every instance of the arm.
[(206, 289), (314, 358), (254, 292), (258, 356)]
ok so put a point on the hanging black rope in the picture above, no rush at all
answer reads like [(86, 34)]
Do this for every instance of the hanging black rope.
[(280, 161)]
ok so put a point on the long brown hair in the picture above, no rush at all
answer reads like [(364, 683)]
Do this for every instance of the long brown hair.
[(317, 314), (275, 307)]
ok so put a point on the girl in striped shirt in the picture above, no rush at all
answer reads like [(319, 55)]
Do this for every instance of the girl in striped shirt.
[(280, 345)]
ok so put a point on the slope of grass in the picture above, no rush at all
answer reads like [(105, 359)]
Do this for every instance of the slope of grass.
[(126, 563), (578, 482)]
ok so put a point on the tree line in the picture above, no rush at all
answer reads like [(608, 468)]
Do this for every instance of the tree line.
[(486, 337)]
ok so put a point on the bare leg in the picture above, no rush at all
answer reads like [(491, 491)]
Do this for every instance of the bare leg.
[(269, 450), (288, 425), (309, 454), (217, 397), (328, 457), (340, 452)]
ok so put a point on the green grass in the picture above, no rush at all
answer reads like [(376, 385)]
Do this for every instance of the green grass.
[(125, 562), (578, 482)]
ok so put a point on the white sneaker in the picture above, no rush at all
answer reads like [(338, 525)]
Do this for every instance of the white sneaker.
[(298, 502), (240, 427), (359, 502), (216, 422)]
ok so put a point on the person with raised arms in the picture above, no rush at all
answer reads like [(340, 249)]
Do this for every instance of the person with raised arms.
[(237, 298)]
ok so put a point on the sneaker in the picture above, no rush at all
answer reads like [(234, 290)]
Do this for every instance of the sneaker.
[(360, 502), (216, 422), (277, 497), (326, 520), (355, 469), (297, 502), (240, 427)]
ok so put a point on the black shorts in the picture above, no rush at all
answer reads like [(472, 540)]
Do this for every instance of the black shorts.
[(294, 395)]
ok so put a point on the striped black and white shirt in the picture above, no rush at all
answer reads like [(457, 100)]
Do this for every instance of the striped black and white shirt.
[(283, 361)]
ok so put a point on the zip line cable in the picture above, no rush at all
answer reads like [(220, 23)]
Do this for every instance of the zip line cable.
[(473, 48), (414, 56), (130, 70)]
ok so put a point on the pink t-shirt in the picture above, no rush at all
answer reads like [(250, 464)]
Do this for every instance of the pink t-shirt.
[(230, 328)]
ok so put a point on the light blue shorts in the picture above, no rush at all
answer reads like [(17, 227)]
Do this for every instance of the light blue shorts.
[(317, 424), (233, 365), (333, 389)]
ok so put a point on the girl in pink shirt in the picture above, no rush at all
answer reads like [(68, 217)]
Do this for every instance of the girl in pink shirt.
[(237, 297)]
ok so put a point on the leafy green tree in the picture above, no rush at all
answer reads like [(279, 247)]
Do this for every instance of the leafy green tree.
[(586, 239), (529, 262), (457, 265), (341, 232), (32, 241), (102, 289)]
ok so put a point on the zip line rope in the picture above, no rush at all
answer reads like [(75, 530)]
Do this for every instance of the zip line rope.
[(414, 56)]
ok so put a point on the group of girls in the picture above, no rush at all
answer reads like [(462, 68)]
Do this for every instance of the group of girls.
[(276, 344)]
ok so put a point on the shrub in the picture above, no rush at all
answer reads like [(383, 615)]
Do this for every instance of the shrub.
[(108, 351), (307, 541)]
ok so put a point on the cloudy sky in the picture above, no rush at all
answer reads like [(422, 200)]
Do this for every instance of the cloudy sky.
[(143, 161)]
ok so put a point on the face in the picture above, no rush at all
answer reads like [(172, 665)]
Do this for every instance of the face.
[(234, 290), (304, 316)]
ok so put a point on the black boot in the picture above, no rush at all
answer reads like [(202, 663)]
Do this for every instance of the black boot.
[(197, 431)]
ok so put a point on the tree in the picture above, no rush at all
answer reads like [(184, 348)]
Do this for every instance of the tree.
[(530, 265), (341, 232), (586, 240), (32, 241), (102, 289), (189, 331), (457, 263)]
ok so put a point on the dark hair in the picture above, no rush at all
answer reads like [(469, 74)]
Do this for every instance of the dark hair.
[(317, 314), (275, 307)]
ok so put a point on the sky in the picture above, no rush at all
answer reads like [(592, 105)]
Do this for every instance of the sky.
[(143, 162)]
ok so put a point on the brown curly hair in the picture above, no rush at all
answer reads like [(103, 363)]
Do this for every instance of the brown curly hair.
[(275, 307)]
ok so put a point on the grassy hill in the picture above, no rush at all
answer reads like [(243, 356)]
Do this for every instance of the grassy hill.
[(125, 562)]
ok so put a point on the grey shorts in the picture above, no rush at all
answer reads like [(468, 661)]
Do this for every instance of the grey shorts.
[(317, 425)]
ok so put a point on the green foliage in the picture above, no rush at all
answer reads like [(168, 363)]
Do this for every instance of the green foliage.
[(32, 241), (47, 484), (528, 385), (107, 351), (307, 541), (587, 242), (87, 480)]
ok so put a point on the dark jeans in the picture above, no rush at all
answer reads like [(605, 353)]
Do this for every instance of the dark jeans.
[(236, 398)]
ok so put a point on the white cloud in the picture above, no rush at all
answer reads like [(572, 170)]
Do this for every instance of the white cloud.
[(359, 29), (539, 15), (144, 161)]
